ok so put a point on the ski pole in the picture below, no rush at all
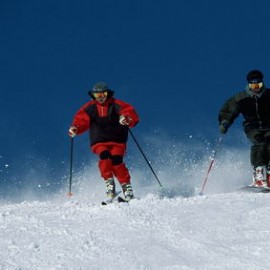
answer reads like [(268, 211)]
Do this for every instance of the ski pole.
[(71, 167), (211, 164), (147, 161)]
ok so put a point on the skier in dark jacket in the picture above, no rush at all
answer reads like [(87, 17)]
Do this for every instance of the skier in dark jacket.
[(254, 105), (108, 120)]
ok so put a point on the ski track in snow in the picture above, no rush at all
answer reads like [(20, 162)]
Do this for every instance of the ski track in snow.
[(218, 231)]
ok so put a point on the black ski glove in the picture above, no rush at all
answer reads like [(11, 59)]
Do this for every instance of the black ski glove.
[(223, 127)]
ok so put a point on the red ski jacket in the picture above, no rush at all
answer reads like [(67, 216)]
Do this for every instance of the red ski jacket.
[(103, 120)]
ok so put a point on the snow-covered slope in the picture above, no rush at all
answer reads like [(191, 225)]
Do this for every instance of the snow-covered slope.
[(218, 231)]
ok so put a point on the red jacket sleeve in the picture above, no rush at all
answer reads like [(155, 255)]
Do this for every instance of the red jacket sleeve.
[(129, 111), (81, 119)]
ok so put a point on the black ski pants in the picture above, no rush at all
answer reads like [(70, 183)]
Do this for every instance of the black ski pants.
[(260, 149)]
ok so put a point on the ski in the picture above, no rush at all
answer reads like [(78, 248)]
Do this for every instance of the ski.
[(256, 189), (111, 199), (121, 200)]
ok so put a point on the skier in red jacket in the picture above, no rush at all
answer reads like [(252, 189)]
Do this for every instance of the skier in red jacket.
[(108, 120)]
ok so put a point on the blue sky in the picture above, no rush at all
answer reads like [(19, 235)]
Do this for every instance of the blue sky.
[(175, 61)]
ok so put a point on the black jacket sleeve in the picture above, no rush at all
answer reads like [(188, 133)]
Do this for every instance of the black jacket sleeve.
[(229, 111)]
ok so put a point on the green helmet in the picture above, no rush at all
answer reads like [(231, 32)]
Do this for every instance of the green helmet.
[(100, 87)]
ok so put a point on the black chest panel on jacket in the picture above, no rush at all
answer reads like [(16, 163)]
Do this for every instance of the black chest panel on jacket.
[(256, 110), (107, 128)]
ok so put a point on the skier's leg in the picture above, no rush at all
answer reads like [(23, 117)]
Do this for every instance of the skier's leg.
[(105, 168), (258, 156), (105, 165), (267, 140), (121, 172)]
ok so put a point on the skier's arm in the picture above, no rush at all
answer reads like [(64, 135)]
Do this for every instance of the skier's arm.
[(81, 120), (228, 113)]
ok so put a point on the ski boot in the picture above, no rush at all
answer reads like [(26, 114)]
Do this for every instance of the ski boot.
[(259, 177), (110, 188), (128, 192), (268, 175)]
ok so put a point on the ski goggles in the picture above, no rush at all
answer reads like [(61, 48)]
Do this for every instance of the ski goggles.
[(100, 94), (255, 84)]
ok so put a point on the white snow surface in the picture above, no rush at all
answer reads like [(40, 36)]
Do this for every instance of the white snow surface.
[(226, 228), (218, 231)]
